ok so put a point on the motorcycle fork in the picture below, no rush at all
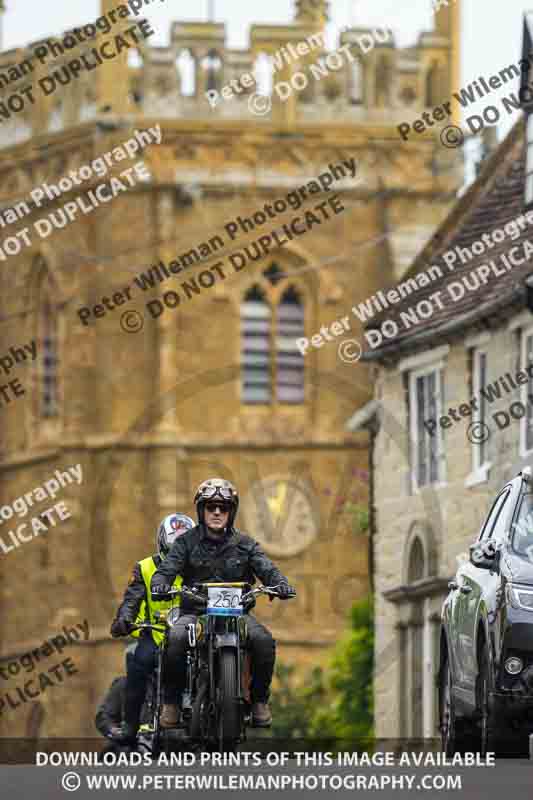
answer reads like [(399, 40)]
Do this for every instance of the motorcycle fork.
[(211, 706), (186, 701)]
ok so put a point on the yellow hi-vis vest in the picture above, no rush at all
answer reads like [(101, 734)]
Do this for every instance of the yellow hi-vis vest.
[(149, 606)]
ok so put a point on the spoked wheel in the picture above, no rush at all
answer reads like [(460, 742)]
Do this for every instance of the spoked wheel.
[(198, 725), (229, 708)]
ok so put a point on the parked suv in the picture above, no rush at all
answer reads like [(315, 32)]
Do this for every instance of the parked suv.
[(486, 643)]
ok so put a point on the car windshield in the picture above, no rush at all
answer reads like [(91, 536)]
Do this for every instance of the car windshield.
[(523, 528)]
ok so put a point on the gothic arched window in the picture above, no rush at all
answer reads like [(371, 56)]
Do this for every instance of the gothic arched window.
[(416, 566), (272, 321), (47, 350)]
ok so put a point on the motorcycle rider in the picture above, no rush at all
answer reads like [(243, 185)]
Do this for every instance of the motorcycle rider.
[(138, 606), (216, 551)]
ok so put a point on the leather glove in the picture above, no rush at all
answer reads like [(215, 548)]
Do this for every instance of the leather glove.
[(285, 591), (161, 592), (121, 627), (249, 604)]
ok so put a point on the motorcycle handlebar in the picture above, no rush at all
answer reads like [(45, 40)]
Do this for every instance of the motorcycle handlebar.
[(269, 590), (194, 595), (147, 626)]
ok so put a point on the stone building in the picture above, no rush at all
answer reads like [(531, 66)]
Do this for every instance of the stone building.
[(216, 385), (451, 420)]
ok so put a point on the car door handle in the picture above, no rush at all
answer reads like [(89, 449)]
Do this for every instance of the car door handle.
[(465, 589), (453, 585)]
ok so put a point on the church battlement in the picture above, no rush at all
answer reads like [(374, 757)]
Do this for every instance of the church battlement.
[(377, 85)]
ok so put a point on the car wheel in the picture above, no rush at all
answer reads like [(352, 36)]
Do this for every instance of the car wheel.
[(446, 711), (489, 736), (454, 736)]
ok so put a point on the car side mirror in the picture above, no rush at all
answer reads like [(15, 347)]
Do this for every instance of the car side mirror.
[(484, 555)]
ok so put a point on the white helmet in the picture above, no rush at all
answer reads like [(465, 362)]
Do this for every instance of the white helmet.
[(170, 528)]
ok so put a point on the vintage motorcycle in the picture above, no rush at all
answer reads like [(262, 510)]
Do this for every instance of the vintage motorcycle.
[(215, 705)]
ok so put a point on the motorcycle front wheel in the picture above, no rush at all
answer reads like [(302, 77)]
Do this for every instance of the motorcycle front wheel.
[(229, 709)]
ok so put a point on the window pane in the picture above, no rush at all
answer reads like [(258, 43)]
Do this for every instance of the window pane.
[(523, 528), (422, 464), (530, 128), (427, 407), (493, 515), (290, 394), (255, 394), (255, 349), (482, 415), (529, 186), (48, 389), (500, 529), (289, 361), (432, 440)]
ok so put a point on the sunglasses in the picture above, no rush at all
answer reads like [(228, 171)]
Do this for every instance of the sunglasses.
[(224, 507)]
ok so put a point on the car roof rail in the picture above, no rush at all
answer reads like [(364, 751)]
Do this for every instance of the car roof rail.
[(526, 475)]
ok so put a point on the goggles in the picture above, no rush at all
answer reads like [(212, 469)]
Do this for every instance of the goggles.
[(223, 492)]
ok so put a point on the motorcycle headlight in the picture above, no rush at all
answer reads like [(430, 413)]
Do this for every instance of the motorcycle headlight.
[(522, 598), (173, 616)]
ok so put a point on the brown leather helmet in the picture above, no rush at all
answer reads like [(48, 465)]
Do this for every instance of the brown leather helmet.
[(213, 489)]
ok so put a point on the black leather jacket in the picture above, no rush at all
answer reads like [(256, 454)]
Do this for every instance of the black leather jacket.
[(197, 558)]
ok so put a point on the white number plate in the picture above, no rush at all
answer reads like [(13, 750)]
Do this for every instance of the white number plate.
[(224, 601)]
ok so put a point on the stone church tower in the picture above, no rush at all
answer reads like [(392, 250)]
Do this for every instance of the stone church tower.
[(215, 385)]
